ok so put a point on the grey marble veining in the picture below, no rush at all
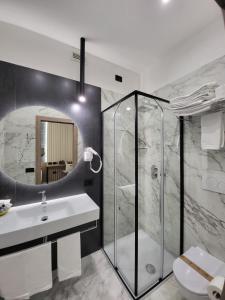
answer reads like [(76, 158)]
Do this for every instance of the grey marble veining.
[(204, 221), (100, 282), (108, 98), (150, 130)]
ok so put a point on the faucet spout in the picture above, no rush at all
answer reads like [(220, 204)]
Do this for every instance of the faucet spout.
[(43, 197)]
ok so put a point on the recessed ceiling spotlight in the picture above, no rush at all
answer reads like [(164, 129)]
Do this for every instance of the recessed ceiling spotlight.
[(128, 108), (165, 1), (82, 98)]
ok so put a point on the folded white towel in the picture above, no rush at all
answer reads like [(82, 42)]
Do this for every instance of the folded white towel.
[(207, 90), (12, 277), (212, 131), (197, 108), (191, 99), (196, 102), (26, 272), (38, 269), (69, 256)]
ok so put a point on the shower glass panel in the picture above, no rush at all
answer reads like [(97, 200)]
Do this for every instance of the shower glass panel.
[(109, 186), (172, 183), (125, 190), (141, 190), (150, 165)]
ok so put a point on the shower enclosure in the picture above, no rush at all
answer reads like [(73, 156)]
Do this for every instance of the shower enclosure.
[(142, 209)]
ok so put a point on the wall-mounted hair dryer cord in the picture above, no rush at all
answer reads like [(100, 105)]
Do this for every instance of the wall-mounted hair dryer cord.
[(100, 165)]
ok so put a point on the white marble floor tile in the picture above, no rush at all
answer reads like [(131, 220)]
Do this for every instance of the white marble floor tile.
[(168, 290), (100, 282)]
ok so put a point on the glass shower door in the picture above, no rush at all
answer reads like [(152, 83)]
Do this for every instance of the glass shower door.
[(150, 193), (108, 184), (125, 190)]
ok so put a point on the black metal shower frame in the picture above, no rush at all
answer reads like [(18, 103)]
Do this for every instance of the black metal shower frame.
[(137, 93)]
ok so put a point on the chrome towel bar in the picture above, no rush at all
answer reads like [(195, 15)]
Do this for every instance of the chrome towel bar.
[(45, 239)]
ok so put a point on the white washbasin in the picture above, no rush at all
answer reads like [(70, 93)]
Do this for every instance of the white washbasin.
[(24, 223)]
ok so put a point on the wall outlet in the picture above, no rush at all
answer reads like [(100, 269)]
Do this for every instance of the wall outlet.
[(75, 56)]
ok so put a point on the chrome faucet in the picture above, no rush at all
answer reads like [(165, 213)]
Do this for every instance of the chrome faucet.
[(43, 197)]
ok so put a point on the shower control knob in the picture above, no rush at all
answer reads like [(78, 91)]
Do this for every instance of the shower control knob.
[(154, 171)]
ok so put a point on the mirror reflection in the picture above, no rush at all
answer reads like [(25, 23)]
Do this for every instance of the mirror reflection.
[(39, 145)]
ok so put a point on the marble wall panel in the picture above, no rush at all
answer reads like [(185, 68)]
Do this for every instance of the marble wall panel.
[(204, 221)]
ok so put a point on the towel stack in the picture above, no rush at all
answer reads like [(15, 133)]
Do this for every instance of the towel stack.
[(199, 101)]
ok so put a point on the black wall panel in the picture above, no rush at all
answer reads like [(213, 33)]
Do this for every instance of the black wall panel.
[(19, 87)]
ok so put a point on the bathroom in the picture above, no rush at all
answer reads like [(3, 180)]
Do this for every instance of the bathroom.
[(112, 164)]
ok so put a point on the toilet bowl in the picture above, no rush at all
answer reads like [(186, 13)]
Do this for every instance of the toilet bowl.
[(192, 285)]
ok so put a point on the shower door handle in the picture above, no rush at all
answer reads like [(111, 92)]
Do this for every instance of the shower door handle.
[(160, 200)]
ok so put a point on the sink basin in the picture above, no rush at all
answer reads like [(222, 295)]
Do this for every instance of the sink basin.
[(28, 222), (34, 213)]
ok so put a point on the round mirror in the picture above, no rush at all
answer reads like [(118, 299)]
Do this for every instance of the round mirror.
[(39, 145)]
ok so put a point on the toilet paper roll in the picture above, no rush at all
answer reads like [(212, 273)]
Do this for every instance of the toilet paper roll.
[(215, 288)]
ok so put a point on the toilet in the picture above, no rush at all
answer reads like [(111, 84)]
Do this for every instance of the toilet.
[(192, 285)]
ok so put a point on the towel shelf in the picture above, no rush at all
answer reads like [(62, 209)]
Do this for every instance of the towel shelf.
[(215, 107)]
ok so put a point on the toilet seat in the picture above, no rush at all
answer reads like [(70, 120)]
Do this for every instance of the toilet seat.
[(190, 279)]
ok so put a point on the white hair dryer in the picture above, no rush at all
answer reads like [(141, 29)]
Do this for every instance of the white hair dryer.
[(88, 156)]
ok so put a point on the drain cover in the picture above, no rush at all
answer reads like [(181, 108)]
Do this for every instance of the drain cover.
[(150, 269), (45, 218)]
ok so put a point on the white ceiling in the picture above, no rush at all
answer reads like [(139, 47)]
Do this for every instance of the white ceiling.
[(132, 33)]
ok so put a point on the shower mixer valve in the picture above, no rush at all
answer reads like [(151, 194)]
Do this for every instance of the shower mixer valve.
[(154, 171)]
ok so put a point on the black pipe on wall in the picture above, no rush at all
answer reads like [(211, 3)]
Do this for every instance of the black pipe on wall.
[(82, 66), (181, 121)]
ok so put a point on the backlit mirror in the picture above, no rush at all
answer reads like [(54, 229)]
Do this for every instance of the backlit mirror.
[(38, 145)]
